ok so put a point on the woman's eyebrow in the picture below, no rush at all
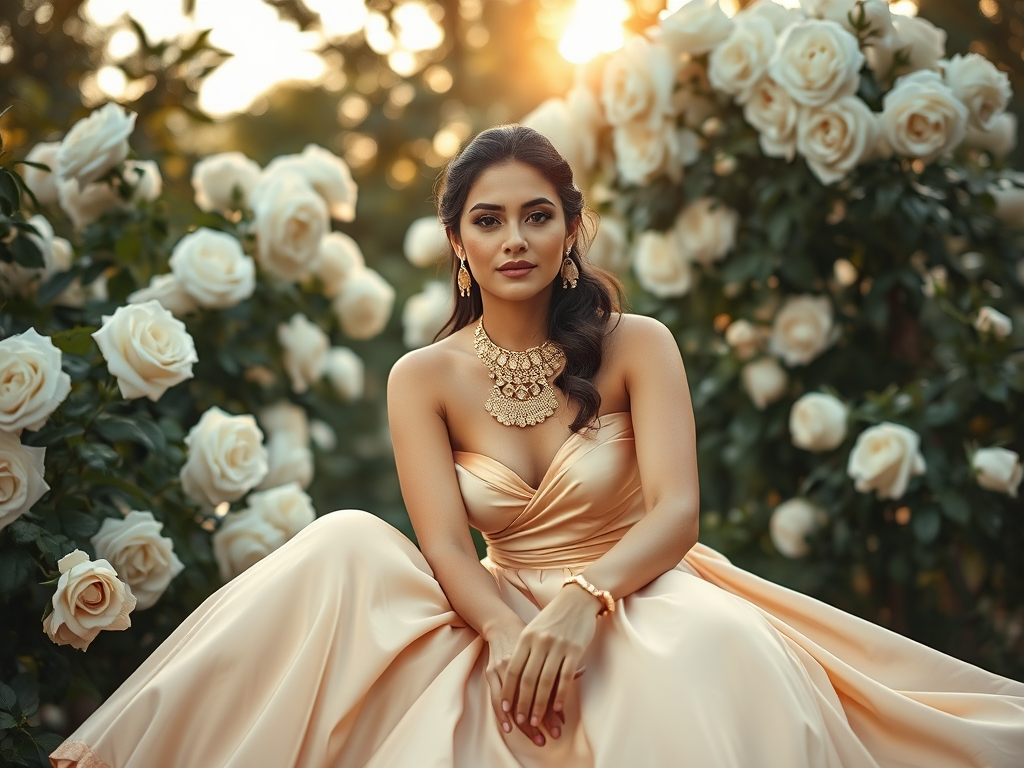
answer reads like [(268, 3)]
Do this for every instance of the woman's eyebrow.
[(492, 207)]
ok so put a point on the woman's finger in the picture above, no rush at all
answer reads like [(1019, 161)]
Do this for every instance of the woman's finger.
[(528, 687), (566, 677), (494, 684), (532, 733), (513, 671), (546, 682)]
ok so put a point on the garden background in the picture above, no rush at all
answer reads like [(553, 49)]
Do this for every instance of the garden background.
[(393, 89)]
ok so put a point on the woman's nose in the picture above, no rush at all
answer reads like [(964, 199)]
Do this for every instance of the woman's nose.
[(515, 242)]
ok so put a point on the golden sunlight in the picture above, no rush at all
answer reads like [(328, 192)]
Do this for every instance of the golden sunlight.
[(904, 7), (594, 27)]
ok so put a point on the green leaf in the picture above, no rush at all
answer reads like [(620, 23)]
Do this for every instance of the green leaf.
[(78, 525), (7, 721), (75, 341), (98, 455), (118, 428), (926, 524), (27, 690), (56, 285), (51, 435), (8, 698), (16, 568), (955, 507), (24, 532), (27, 253)]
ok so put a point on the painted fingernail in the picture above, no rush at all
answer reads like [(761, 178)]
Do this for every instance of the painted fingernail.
[(556, 731), (520, 718), (539, 740), (558, 706), (534, 721), (505, 705), (506, 726)]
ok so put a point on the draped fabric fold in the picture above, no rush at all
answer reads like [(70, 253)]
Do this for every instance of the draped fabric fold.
[(340, 650)]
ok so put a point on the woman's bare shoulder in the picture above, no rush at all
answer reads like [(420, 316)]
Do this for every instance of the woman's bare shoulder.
[(427, 369), (639, 334)]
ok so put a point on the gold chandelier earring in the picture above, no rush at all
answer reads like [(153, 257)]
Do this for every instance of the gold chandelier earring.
[(464, 280), (570, 273)]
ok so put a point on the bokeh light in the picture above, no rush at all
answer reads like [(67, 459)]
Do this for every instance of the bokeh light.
[(595, 27)]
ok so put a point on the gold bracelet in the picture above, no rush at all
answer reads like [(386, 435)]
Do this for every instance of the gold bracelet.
[(601, 594)]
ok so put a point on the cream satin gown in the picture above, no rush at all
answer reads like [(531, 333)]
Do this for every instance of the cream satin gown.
[(340, 650)]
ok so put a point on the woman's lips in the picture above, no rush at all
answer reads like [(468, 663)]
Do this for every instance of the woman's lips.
[(516, 269)]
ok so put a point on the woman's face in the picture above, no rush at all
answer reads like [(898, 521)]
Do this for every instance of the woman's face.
[(513, 231)]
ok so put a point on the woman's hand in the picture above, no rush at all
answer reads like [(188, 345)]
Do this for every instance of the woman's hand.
[(546, 656), (501, 644)]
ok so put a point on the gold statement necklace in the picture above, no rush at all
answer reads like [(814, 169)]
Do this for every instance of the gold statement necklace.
[(522, 395)]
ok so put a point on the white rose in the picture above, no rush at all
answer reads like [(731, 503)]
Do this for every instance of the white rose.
[(921, 41), (16, 280), (644, 150), (817, 422), (323, 435), (876, 14), (21, 478), (42, 183), (706, 230), (993, 321), (637, 83), (338, 258), (790, 524), (817, 62), (998, 469), (777, 15), (660, 264), (771, 110), (84, 206), (285, 418), (1009, 206), (1001, 140), (89, 599), (213, 269), (346, 372), (144, 177), (168, 292), (425, 313), (143, 558), (553, 120), (243, 539), (884, 459), (326, 173), (291, 219), (744, 338), (226, 458), (765, 381), (803, 329), (305, 351), (146, 348), (287, 462), (425, 242), (979, 84), (95, 144), (32, 384), (286, 508), (364, 305), (695, 28), (735, 66), (216, 178), (609, 251), (836, 138)]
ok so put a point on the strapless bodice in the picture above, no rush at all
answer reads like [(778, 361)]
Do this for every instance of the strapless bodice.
[(587, 500)]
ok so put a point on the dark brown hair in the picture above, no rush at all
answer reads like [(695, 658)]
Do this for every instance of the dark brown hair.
[(577, 317)]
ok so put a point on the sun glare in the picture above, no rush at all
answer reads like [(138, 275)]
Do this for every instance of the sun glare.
[(595, 27), (904, 7)]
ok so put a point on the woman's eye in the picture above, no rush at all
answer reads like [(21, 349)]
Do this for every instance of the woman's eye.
[(538, 216), (486, 221)]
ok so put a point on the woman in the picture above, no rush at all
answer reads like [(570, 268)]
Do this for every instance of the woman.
[(597, 632)]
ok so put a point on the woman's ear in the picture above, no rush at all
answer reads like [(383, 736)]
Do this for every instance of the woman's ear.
[(456, 243)]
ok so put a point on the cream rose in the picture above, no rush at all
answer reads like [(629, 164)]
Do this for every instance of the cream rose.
[(223, 182), (816, 62), (95, 144), (803, 329), (836, 138), (1001, 140), (326, 173), (771, 110), (364, 305), (84, 206), (553, 120), (243, 539), (921, 41), (817, 422), (305, 351), (884, 459), (323, 435), (338, 258), (425, 313), (744, 338), (645, 150), (168, 292), (291, 220), (990, 320), (765, 381), (695, 28), (287, 462), (285, 418), (998, 469), (42, 183), (226, 458), (979, 84), (736, 66), (790, 525), (425, 242), (21, 478), (32, 384), (143, 558), (213, 269), (89, 599), (609, 251), (146, 348), (144, 178), (346, 372), (637, 83), (706, 230), (876, 14), (660, 264), (777, 15), (286, 508)]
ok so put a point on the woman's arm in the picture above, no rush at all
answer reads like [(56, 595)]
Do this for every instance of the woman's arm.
[(664, 432)]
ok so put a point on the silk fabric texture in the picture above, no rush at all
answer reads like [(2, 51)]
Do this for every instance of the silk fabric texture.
[(340, 650)]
